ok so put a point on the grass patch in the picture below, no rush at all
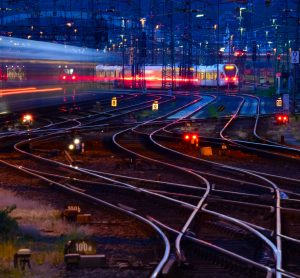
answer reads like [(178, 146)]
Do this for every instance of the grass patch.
[(37, 227)]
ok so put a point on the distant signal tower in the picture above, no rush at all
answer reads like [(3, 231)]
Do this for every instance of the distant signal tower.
[(168, 63)]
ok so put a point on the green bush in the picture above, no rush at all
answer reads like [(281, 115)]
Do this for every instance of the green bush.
[(8, 225)]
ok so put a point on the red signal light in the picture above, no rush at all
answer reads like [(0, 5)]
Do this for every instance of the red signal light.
[(187, 137), (282, 119), (194, 136), (73, 77), (64, 77), (234, 78), (226, 78), (237, 53)]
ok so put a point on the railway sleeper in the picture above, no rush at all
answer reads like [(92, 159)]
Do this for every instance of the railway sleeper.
[(213, 262), (230, 228), (229, 205), (291, 256)]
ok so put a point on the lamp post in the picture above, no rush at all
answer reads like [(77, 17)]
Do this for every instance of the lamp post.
[(240, 24), (218, 45)]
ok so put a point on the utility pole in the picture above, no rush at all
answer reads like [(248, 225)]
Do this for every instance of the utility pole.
[(168, 66), (186, 72), (141, 50), (153, 24), (296, 66), (1, 11)]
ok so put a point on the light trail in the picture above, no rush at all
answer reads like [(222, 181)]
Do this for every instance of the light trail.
[(17, 89), (28, 91)]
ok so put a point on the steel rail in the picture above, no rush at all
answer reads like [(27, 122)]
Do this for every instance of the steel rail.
[(277, 254), (199, 205), (264, 139), (277, 206), (164, 238), (86, 171), (268, 270)]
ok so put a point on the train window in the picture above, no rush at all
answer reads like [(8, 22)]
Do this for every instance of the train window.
[(230, 70), (68, 71)]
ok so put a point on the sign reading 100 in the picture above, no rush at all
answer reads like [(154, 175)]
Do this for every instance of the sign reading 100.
[(82, 247)]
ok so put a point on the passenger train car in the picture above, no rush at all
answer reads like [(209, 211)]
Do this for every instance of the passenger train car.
[(208, 75), (201, 76)]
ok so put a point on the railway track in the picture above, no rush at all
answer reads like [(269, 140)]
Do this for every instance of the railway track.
[(211, 217)]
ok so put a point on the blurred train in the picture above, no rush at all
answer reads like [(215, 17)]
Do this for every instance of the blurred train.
[(31, 63), (201, 76), (27, 63)]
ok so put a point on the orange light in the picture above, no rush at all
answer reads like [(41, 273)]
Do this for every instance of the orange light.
[(27, 118), (17, 89), (226, 78), (234, 78), (229, 67), (194, 137)]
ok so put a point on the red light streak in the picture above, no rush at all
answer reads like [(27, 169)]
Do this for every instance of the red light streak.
[(153, 78)]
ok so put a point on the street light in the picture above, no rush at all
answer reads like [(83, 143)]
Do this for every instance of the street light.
[(143, 21)]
